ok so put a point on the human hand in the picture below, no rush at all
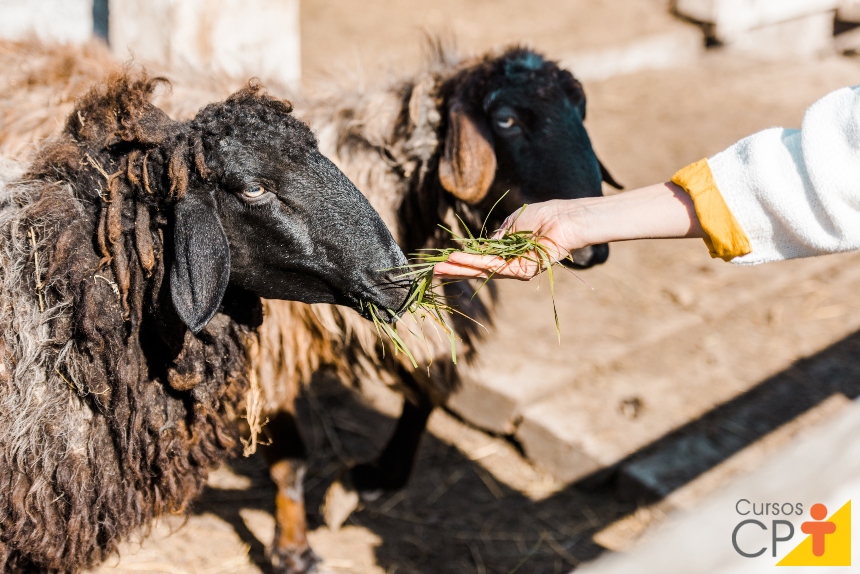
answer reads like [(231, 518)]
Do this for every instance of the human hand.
[(554, 225)]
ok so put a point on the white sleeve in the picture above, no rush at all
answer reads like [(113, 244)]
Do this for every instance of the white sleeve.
[(796, 193)]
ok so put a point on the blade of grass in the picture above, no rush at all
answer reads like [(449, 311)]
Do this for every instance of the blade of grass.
[(424, 301), (498, 201)]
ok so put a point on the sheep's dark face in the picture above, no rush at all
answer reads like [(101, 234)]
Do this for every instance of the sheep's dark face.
[(294, 227), (515, 125)]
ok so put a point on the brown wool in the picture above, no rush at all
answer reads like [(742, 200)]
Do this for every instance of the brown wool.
[(94, 445)]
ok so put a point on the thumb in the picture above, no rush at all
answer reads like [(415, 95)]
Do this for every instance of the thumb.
[(507, 224)]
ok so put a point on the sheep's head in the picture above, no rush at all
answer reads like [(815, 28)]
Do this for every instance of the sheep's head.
[(296, 227), (515, 125), (244, 196)]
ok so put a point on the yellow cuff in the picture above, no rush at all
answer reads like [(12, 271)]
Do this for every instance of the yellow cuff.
[(725, 236)]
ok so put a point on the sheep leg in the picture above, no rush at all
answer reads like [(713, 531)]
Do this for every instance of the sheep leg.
[(392, 469), (290, 552)]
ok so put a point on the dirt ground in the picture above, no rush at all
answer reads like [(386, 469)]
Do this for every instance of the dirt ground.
[(459, 514), (475, 504)]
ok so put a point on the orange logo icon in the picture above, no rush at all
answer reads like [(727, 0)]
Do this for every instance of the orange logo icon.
[(829, 540), (818, 528)]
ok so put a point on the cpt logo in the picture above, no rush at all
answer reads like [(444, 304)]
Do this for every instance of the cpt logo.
[(828, 540)]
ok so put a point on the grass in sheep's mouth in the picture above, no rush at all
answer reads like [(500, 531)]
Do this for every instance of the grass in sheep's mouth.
[(424, 301)]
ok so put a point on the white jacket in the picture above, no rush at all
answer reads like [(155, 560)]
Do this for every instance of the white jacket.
[(782, 193)]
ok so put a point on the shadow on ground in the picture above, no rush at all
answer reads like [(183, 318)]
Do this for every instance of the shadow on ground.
[(454, 517)]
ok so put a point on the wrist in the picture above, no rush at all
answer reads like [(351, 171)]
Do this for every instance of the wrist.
[(579, 224), (589, 221)]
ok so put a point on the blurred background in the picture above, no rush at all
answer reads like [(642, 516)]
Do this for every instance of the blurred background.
[(675, 374)]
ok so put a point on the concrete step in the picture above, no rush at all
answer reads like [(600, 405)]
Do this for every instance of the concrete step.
[(733, 18), (658, 388), (822, 466), (624, 534), (53, 20), (259, 37), (631, 310), (730, 428), (763, 28), (808, 36)]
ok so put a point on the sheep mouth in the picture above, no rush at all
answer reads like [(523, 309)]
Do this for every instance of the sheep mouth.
[(382, 298), (373, 312), (587, 257)]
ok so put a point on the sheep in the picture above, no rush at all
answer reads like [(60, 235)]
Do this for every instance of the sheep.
[(450, 139), (134, 251), (503, 129)]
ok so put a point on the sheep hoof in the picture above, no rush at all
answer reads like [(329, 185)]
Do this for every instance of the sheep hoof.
[(341, 500), (295, 561)]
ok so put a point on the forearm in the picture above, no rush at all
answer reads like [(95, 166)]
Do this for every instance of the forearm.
[(658, 211)]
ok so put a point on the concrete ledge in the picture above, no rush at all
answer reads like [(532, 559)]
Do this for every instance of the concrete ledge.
[(557, 445), (733, 18), (236, 37), (807, 36), (58, 20), (822, 467), (658, 389), (486, 407), (658, 51), (593, 401)]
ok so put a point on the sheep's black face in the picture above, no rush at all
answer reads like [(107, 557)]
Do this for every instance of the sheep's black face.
[(520, 117), (294, 226)]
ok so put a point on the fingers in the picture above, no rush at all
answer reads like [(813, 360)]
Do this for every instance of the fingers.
[(452, 271), (507, 224), (468, 266), (465, 265), (489, 262)]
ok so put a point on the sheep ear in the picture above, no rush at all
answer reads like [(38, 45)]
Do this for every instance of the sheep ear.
[(149, 125), (573, 88), (468, 164), (201, 268), (607, 177)]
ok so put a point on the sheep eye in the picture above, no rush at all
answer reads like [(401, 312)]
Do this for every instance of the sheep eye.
[(254, 191), (506, 121)]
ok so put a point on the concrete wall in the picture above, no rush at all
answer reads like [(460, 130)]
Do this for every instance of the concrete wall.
[(238, 37), (771, 28), (733, 18), (63, 20)]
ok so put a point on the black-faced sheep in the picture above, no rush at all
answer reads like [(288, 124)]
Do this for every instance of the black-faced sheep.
[(133, 254), (452, 140), (449, 140)]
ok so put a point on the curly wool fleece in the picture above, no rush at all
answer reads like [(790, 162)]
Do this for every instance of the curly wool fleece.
[(97, 435)]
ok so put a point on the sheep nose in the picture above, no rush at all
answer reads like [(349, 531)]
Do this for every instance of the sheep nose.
[(393, 292), (587, 257)]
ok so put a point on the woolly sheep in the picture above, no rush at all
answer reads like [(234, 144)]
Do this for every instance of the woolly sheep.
[(134, 252), (448, 140)]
